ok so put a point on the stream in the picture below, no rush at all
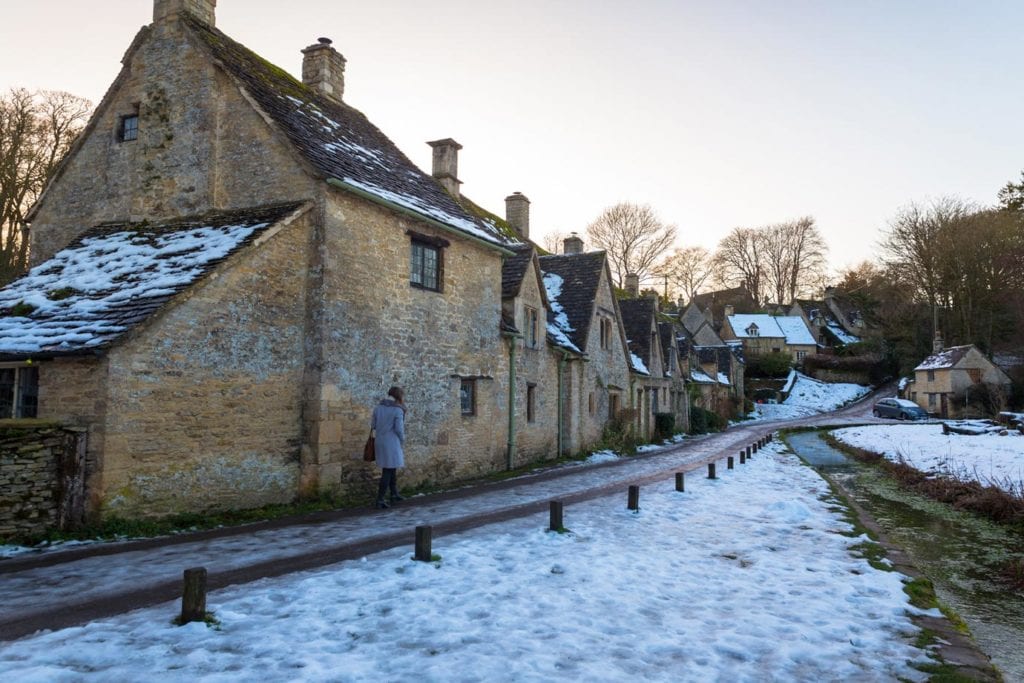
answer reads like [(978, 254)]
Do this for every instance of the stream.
[(960, 552)]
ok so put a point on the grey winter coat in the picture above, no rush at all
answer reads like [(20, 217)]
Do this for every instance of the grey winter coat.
[(389, 424)]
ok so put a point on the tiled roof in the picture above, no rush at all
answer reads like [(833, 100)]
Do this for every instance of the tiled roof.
[(514, 268), (113, 277), (339, 141), (636, 319), (580, 275), (944, 359)]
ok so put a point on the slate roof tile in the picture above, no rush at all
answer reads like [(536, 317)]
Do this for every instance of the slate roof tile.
[(113, 277), (581, 276)]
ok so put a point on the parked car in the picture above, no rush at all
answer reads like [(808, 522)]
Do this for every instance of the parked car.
[(900, 408)]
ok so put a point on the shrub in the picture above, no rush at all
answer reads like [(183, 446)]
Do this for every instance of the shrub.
[(877, 367), (704, 421), (769, 365), (981, 400), (619, 434), (664, 425)]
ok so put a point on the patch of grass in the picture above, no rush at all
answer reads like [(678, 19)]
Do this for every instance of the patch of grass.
[(209, 618), (874, 553), (61, 294), (921, 593), (560, 530), (1013, 573), (943, 673), (20, 310)]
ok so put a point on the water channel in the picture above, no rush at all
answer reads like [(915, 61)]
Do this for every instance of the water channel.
[(961, 553)]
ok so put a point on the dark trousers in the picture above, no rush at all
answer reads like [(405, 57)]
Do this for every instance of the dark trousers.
[(388, 482)]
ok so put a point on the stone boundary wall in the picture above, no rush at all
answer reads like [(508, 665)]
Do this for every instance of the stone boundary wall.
[(41, 483), (848, 376)]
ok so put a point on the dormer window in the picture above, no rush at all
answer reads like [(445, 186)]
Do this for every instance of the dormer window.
[(128, 128), (753, 331)]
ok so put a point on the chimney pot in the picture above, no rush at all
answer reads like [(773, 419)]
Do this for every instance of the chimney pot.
[(323, 69), (203, 10), (572, 244), (729, 310), (517, 213), (446, 164)]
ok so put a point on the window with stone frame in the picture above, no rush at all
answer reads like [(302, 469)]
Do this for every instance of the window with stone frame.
[(467, 396), (128, 126), (613, 406), (931, 375), (591, 403), (800, 355), (931, 400), (531, 327), (426, 261), (531, 402), (606, 333), (19, 392)]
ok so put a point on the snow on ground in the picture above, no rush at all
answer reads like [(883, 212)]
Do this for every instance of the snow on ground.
[(807, 397), (743, 578), (988, 458)]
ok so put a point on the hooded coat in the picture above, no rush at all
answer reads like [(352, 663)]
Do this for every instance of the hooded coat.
[(389, 424)]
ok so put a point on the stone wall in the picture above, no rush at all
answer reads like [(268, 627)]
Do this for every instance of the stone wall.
[(40, 477), (377, 330), (205, 400), (849, 376), (194, 151)]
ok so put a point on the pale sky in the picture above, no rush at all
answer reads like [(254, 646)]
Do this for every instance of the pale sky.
[(719, 113)]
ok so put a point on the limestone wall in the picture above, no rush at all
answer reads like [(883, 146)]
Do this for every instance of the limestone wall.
[(204, 402), (377, 330), (39, 483), (193, 153)]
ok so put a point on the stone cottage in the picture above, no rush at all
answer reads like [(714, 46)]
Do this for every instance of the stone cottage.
[(943, 381), (232, 266), (761, 333)]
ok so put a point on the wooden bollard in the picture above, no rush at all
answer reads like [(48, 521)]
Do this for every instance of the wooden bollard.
[(633, 500), (193, 597), (748, 452), (556, 516), (754, 447), (680, 481), (728, 463), (743, 457), (424, 539), (711, 470)]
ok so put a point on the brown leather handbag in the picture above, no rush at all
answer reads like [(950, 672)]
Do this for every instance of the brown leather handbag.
[(369, 450)]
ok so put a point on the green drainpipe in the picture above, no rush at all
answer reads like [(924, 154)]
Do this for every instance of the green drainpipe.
[(561, 424), (511, 401)]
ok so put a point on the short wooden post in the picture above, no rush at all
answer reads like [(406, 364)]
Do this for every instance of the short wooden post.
[(193, 597), (743, 457), (556, 516), (633, 501), (748, 452), (424, 536), (754, 447), (728, 463), (945, 428), (711, 470), (771, 437), (680, 482)]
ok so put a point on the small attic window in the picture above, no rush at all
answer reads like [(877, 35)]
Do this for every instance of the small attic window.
[(752, 331), (129, 128)]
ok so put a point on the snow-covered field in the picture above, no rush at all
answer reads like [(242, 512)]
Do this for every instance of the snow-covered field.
[(809, 397), (988, 458), (743, 578)]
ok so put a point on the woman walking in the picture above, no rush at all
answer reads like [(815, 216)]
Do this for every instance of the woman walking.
[(389, 424)]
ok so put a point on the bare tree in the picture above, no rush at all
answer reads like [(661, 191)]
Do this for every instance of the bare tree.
[(795, 258), (687, 270), (36, 131), (739, 260), (633, 237), (553, 242)]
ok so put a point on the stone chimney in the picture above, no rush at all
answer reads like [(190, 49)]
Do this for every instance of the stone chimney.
[(572, 244), (323, 69), (203, 10), (937, 342), (729, 310), (446, 164), (517, 213), (830, 293), (632, 285)]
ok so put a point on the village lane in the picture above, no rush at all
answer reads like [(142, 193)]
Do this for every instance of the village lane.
[(64, 588)]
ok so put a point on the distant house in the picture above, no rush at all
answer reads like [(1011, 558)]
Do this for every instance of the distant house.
[(943, 381), (717, 305), (760, 334), (835, 321), (716, 368), (640, 321)]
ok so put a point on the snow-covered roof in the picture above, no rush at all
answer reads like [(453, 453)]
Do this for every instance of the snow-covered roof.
[(723, 379), (944, 359), (792, 328), (700, 377), (638, 364), (559, 328), (113, 277), (842, 335), (340, 142)]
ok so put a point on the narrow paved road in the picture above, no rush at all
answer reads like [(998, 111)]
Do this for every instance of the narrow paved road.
[(58, 589)]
